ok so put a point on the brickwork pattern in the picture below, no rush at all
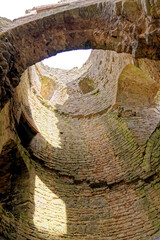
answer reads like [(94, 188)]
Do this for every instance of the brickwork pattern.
[(80, 149), (90, 175), (124, 26)]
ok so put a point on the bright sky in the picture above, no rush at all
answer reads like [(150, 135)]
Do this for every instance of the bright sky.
[(67, 60)]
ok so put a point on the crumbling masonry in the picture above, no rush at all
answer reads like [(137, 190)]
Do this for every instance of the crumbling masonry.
[(80, 149)]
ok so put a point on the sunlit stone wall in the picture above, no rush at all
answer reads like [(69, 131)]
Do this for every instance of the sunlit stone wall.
[(91, 150), (80, 149)]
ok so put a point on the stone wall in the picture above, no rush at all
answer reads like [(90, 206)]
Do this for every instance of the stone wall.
[(80, 149), (90, 166), (123, 26)]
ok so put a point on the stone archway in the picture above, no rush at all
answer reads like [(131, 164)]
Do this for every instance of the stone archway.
[(123, 26), (85, 155)]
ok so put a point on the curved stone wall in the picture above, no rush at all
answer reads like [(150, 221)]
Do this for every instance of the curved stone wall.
[(94, 156), (123, 26), (80, 149)]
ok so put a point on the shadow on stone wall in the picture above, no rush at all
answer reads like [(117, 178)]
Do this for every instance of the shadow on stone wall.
[(80, 189), (85, 177)]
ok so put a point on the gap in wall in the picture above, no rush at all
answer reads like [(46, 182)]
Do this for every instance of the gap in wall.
[(68, 60)]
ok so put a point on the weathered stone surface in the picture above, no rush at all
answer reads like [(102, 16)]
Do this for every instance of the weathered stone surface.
[(4, 22), (80, 149), (9, 77), (123, 26), (94, 171), (157, 238)]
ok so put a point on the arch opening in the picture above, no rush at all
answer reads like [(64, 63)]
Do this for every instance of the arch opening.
[(85, 155), (68, 60)]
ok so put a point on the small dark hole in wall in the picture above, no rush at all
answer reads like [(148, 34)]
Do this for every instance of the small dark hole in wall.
[(88, 45), (114, 36), (47, 43), (25, 132)]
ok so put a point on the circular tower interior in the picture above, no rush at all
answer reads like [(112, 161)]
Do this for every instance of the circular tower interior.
[(79, 148)]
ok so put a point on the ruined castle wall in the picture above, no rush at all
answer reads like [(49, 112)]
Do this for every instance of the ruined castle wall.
[(80, 149), (89, 177)]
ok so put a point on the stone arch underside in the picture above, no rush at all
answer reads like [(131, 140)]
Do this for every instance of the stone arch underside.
[(122, 26), (90, 163)]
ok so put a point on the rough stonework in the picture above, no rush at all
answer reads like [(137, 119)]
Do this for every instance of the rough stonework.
[(80, 149), (124, 26)]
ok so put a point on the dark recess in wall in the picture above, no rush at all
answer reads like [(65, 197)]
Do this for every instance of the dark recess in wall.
[(25, 132)]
